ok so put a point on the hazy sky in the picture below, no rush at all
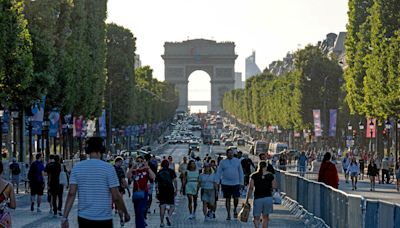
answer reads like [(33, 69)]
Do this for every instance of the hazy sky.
[(270, 27)]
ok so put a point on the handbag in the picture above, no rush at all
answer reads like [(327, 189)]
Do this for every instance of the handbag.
[(277, 198), (244, 212), (138, 195), (63, 178)]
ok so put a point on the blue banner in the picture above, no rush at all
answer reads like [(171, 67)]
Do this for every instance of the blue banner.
[(54, 118), (37, 118), (102, 124), (5, 121), (332, 122)]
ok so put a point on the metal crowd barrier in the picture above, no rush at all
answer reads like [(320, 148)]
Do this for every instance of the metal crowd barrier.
[(336, 208)]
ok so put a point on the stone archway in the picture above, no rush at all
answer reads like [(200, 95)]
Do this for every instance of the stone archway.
[(216, 59)]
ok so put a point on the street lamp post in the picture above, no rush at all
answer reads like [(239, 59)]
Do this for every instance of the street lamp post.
[(15, 117), (397, 140), (1, 133), (361, 126), (350, 128), (325, 130), (371, 130), (388, 126)]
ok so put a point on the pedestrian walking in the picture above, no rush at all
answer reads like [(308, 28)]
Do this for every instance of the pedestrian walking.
[(36, 181), (122, 184), (7, 200), (353, 170), (153, 165), (171, 163), (53, 171), (372, 172), (361, 163), (230, 173), (182, 170), (96, 183), (49, 165), (166, 189), (262, 182), (141, 174), (345, 165), (385, 170), (191, 181), (15, 174), (302, 163), (327, 172), (208, 185)]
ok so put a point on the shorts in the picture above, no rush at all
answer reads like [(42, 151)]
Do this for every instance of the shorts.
[(166, 196), (82, 222), (208, 196), (231, 191), (262, 206), (15, 179), (353, 174), (191, 188), (37, 188)]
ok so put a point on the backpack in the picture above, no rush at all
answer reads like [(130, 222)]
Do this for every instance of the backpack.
[(15, 170), (32, 172), (164, 178)]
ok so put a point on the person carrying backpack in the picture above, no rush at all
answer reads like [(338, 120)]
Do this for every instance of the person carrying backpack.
[(166, 190), (15, 172), (36, 181)]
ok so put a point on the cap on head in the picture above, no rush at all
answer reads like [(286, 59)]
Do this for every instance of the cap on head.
[(119, 158)]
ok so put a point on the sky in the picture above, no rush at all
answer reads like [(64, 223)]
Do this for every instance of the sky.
[(271, 28)]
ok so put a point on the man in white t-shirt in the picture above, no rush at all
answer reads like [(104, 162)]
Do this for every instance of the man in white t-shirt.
[(97, 185)]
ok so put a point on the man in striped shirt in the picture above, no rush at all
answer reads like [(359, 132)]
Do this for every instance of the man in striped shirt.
[(97, 185)]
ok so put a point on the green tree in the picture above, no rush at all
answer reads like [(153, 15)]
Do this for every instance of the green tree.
[(120, 63), (18, 86)]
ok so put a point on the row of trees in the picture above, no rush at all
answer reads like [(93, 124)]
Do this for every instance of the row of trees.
[(373, 56), (288, 100), (64, 49)]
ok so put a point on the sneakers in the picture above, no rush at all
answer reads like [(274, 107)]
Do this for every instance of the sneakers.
[(122, 223), (60, 213), (162, 225), (168, 221), (190, 217)]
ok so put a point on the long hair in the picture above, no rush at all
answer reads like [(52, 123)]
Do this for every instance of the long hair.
[(261, 165)]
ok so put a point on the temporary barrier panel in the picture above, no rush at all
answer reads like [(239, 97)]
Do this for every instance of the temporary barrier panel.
[(397, 216), (371, 213), (385, 214), (354, 211)]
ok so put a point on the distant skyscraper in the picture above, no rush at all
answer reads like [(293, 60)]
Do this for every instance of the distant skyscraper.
[(238, 80), (138, 63), (251, 66)]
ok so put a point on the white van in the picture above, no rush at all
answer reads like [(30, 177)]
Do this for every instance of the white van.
[(277, 147), (260, 147)]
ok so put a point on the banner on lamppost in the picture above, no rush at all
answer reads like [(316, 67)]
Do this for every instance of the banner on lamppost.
[(54, 118), (102, 124), (317, 122), (90, 128), (78, 125), (332, 122), (5, 121), (371, 130), (37, 118)]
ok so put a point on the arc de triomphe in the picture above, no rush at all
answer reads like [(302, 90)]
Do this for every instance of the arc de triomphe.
[(216, 59)]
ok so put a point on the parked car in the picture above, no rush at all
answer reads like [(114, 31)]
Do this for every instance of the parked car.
[(216, 142), (228, 143), (241, 142)]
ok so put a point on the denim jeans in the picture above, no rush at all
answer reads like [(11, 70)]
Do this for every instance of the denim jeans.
[(302, 170), (140, 210)]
